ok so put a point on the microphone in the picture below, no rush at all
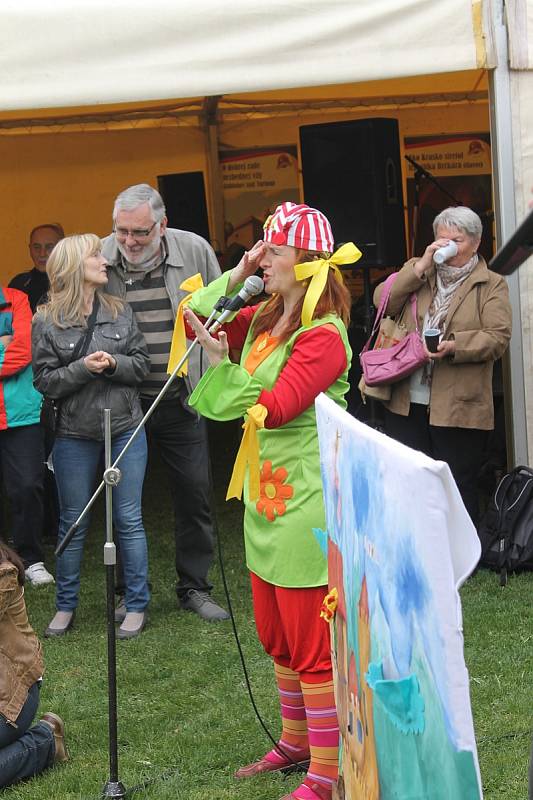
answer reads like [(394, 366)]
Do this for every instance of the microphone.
[(252, 285), (444, 253)]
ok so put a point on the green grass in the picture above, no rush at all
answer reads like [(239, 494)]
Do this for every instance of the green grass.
[(183, 705)]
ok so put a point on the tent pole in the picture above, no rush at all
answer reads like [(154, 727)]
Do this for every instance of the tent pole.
[(215, 193), (505, 216)]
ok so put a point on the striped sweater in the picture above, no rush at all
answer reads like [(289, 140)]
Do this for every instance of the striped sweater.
[(20, 403)]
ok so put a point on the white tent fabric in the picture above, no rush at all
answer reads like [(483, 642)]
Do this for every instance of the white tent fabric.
[(82, 52), (520, 27)]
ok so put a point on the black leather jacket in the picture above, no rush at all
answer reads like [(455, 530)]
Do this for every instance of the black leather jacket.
[(83, 395)]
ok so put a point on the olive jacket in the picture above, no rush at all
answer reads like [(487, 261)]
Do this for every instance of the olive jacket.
[(21, 661), (480, 321)]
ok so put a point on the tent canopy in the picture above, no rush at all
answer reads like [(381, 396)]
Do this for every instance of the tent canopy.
[(445, 89), (89, 52)]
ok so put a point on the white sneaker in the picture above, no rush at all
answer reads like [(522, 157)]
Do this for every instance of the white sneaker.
[(38, 575)]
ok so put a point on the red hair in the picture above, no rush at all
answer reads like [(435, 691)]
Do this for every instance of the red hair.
[(335, 299)]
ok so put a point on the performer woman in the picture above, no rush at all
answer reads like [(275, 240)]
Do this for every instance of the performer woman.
[(293, 346)]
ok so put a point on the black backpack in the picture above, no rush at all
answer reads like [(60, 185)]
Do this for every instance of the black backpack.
[(506, 530)]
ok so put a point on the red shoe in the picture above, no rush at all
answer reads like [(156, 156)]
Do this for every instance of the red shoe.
[(319, 791), (299, 757)]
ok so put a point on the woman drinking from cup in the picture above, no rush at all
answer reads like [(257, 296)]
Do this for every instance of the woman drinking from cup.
[(446, 408)]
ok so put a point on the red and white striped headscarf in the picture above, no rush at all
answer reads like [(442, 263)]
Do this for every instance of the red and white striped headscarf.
[(299, 226)]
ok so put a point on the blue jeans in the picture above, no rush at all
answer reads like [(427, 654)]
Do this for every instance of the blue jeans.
[(25, 751), (76, 463)]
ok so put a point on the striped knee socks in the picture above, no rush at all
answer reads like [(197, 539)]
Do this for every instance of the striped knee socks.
[(323, 729), (293, 740)]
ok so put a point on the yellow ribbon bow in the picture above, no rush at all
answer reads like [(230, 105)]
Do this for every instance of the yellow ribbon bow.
[(318, 272), (178, 346), (329, 605), (248, 455)]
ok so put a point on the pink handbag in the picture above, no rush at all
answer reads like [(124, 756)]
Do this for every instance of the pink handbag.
[(391, 364)]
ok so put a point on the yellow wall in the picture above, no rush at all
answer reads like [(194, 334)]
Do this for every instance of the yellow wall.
[(73, 178)]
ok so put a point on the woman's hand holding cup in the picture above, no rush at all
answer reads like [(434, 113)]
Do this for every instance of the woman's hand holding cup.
[(435, 348), (432, 339)]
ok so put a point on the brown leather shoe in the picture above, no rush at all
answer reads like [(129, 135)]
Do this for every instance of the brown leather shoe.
[(300, 758), (58, 728)]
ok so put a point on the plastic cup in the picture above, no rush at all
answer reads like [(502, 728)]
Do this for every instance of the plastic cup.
[(444, 253), (432, 339)]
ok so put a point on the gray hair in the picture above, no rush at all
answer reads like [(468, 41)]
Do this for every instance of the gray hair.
[(138, 195), (460, 217)]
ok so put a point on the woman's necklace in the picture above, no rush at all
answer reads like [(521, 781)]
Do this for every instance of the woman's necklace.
[(263, 342)]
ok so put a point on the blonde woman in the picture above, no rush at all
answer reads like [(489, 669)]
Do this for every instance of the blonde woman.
[(88, 355)]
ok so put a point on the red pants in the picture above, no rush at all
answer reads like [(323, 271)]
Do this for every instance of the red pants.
[(291, 629)]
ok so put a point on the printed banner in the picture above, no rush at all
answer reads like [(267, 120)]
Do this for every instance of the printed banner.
[(461, 170), (399, 544), (445, 156), (254, 183)]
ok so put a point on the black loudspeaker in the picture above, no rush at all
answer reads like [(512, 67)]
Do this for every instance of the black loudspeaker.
[(352, 172), (184, 196)]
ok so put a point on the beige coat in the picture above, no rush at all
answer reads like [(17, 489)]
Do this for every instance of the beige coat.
[(21, 662), (479, 319)]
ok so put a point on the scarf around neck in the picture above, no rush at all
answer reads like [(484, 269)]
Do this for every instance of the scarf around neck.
[(448, 280)]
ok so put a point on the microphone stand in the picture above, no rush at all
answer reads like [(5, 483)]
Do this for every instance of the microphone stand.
[(432, 178), (112, 475), (114, 788), (421, 172)]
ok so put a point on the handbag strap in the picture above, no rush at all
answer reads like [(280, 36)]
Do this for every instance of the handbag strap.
[(383, 301), (83, 344), (414, 311)]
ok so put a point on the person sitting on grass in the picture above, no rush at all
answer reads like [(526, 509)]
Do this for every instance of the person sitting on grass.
[(24, 751)]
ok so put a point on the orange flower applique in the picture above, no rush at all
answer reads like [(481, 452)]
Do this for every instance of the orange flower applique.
[(329, 605), (273, 492)]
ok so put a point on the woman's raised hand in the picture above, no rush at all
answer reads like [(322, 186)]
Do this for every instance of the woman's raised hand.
[(247, 265), (425, 262), (216, 349)]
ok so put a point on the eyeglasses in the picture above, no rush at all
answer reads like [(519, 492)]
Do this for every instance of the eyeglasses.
[(142, 233)]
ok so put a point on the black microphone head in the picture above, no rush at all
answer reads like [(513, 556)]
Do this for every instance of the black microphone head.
[(254, 285)]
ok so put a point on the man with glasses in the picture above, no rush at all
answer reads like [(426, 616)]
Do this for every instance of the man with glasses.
[(147, 264), (34, 283)]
